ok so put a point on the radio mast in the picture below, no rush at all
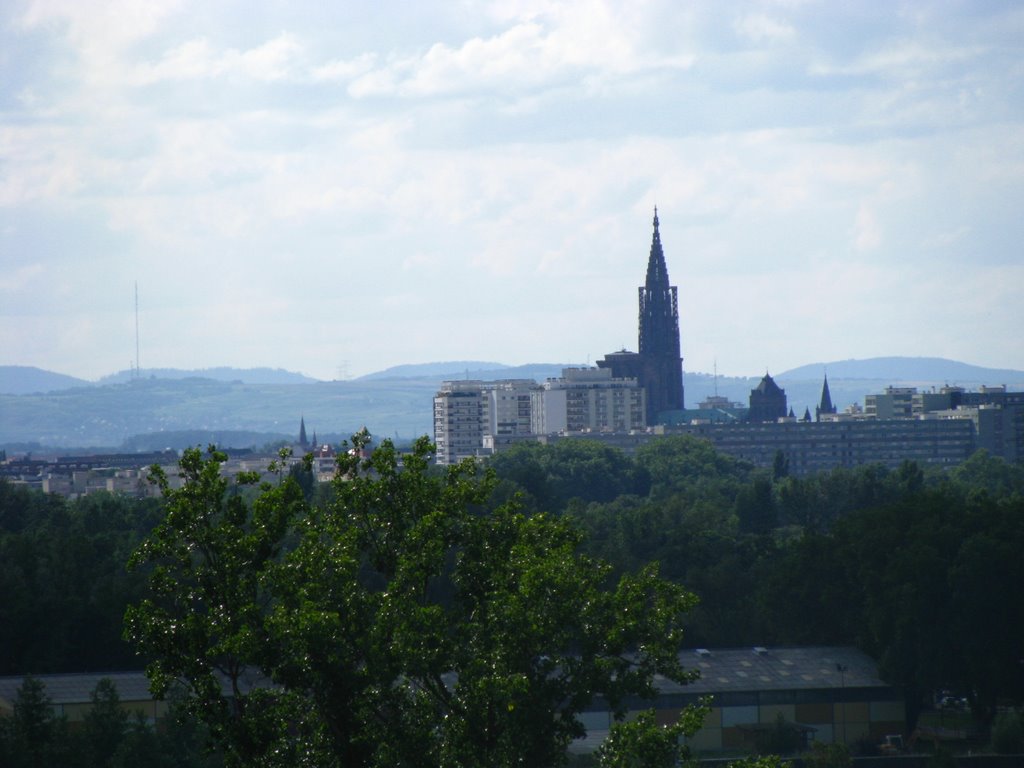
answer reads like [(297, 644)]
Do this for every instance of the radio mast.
[(137, 373)]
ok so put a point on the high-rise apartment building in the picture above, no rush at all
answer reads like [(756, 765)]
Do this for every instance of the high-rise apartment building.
[(460, 413), (475, 418), (588, 400)]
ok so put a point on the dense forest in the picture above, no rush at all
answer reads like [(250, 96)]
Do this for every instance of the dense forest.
[(920, 569)]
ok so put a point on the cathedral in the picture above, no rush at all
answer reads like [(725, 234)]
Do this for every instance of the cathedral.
[(658, 365)]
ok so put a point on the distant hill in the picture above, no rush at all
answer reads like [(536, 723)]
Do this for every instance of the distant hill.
[(446, 370), (253, 406), (906, 369), (26, 379), (245, 375), (472, 369)]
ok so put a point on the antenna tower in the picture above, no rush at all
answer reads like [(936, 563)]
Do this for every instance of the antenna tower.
[(137, 373)]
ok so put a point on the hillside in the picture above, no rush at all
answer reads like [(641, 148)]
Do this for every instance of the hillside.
[(392, 403), (907, 369), (26, 379), (222, 373)]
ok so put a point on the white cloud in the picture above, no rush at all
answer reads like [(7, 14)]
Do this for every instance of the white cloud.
[(272, 61), (867, 234), (761, 28), (495, 169)]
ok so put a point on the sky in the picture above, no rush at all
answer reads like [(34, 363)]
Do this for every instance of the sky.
[(336, 188)]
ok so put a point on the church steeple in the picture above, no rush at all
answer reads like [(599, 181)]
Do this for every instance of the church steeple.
[(303, 442), (657, 365), (826, 405), (657, 272), (659, 334)]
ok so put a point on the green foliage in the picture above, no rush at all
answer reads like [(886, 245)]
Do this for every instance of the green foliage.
[(755, 508), (779, 738), (759, 761), (105, 725), (1008, 733), (62, 568), (33, 734), (551, 475), (682, 464), (397, 625), (643, 743), (942, 757), (834, 755), (34, 738)]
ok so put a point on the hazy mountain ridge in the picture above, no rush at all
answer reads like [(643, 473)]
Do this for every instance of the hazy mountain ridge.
[(27, 379), (928, 369), (397, 403), (220, 373), (444, 370)]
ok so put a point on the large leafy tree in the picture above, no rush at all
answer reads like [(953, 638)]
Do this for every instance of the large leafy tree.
[(399, 624)]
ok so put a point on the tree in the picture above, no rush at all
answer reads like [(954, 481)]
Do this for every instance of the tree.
[(203, 621), (399, 624), (641, 743), (106, 723), (755, 508), (33, 736)]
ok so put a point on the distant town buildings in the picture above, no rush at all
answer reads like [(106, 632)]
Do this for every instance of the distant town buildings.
[(629, 399), (477, 418), (633, 397)]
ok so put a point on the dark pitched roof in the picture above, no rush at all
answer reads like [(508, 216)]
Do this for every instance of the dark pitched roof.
[(771, 669), (768, 386)]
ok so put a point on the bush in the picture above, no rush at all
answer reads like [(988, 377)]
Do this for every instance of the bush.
[(1008, 733)]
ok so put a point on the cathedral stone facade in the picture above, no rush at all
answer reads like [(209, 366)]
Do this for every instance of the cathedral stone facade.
[(658, 365)]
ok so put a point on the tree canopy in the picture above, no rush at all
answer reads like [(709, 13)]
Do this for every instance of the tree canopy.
[(400, 624)]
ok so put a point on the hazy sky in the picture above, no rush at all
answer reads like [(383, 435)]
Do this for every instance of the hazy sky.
[(337, 187)]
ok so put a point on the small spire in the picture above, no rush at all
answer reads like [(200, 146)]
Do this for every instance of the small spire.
[(657, 272), (826, 405)]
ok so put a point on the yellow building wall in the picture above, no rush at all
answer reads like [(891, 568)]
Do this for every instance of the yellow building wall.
[(819, 713), (770, 713), (706, 740), (853, 712)]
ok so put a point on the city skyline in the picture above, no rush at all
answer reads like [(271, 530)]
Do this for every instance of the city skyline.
[(339, 190)]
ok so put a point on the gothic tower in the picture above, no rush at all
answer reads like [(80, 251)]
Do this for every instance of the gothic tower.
[(658, 366), (659, 333)]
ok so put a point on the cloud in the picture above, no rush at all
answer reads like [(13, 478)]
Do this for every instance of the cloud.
[(22, 279), (272, 61), (759, 28), (867, 234), (541, 50), (497, 166), (99, 32)]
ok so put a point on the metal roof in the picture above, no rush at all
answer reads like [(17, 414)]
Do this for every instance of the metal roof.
[(774, 669), (721, 670), (78, 688)]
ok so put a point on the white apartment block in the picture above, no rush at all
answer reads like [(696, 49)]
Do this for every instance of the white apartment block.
[(588, 400), (509, 407), (475, 418), (460, 413)]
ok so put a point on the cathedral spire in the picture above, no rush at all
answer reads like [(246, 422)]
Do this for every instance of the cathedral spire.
[(657, 272), (302, 432)]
